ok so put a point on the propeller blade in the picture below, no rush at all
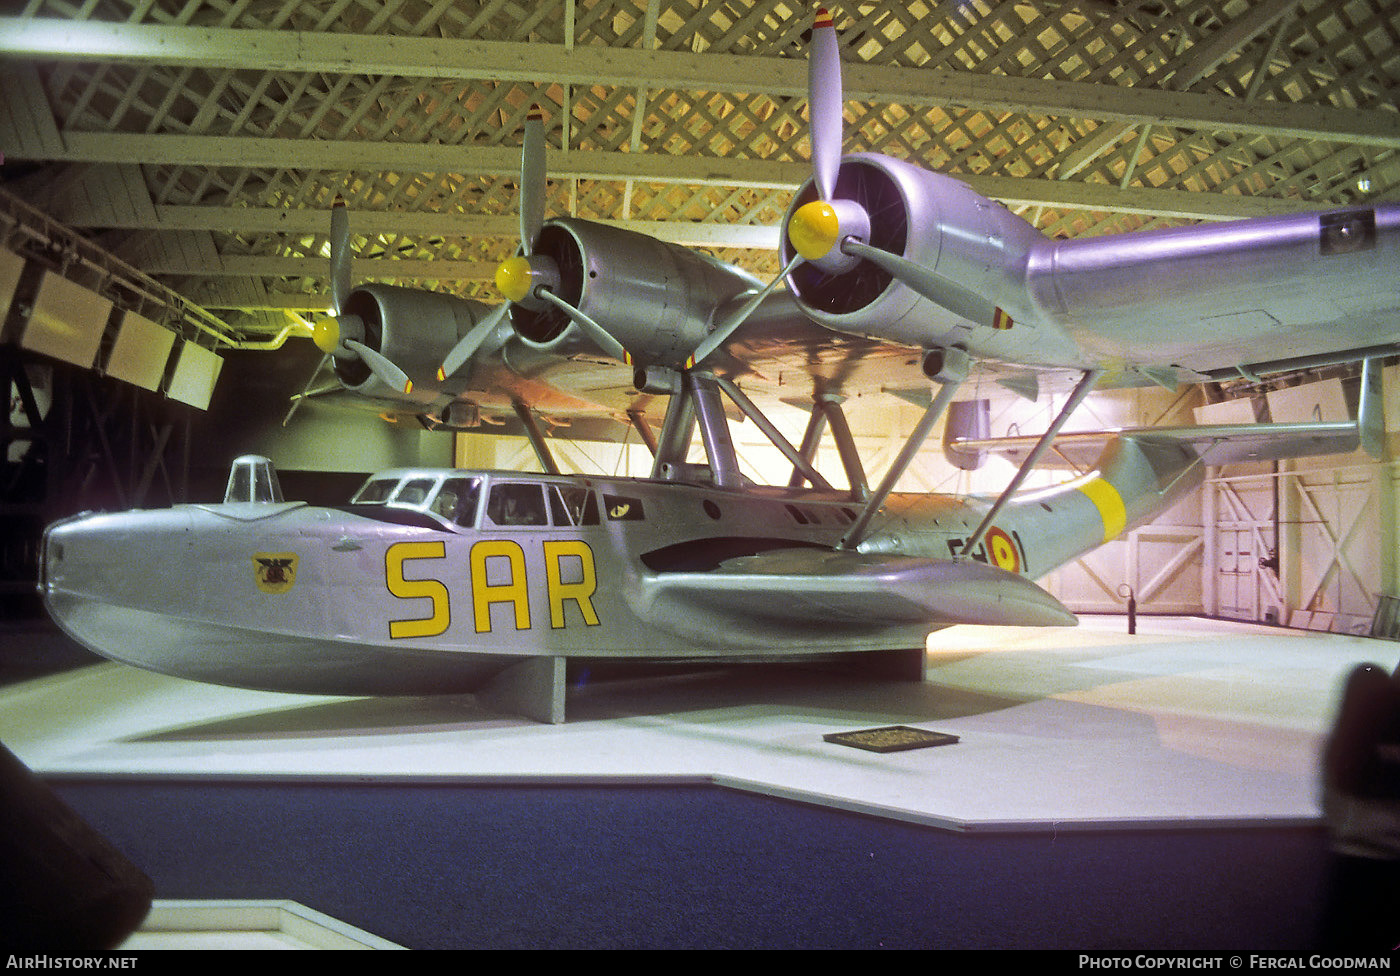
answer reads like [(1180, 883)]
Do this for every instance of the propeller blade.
[(467, 346), (532, 181), (340, 255), (937, 289), (721, 333), (610, 346), (825, 102), (387, 373)]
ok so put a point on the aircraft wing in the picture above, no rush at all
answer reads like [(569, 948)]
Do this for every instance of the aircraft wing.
[(1255, 294), (823, 588)]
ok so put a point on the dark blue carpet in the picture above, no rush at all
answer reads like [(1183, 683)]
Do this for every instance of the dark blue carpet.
[(699, 867), (684, 867)]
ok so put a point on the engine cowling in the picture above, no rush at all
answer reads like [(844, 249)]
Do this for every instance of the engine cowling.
[(657, 299), (413, 328), (930, 219)]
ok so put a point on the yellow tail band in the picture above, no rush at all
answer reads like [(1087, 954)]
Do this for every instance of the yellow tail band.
[(1110, 505)]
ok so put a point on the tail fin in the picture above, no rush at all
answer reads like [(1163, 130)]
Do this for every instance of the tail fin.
[(969, 421)]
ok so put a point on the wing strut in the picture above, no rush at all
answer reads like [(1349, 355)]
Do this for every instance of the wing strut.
[(811, 440), (537, 441), (830, 405), (750, 409), (1086, 384), (950, 377), (714, 429), (638, 418), (677, 429), (826, 412)]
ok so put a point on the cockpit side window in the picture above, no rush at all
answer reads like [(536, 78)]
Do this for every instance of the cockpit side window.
[(374, 491), (516, 504), (457, 499), (572, 505)]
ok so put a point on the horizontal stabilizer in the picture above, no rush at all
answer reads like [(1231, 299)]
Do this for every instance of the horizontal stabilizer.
[(830, 588), (1214, 444)]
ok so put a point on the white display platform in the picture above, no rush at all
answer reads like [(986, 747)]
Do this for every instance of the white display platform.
[(240, 924), (1189, 722)]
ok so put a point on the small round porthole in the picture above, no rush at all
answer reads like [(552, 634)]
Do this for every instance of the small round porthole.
[(711, 509)]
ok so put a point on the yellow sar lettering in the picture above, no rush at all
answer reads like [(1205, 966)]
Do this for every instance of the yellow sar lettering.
[(405, 589), (581, 592), (513, 589), (498, 574)]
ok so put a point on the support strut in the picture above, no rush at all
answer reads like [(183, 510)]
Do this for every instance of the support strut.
[(638, 418), (800, 463), (1085, 385), (676, 430), (950, 376), (714, 429), (537, 441), (830, 406)]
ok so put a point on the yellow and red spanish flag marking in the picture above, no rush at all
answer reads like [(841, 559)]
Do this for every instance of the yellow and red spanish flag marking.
[(1000, 320)]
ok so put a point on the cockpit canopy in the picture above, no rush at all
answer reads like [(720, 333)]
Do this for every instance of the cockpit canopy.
[(252, 478), (450, 496), (501, 501)]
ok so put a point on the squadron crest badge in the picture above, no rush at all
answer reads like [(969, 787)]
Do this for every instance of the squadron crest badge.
[(275, 571)]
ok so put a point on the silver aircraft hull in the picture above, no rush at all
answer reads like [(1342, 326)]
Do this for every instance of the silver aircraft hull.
[(245, 657), (295, 598), (395, 597)]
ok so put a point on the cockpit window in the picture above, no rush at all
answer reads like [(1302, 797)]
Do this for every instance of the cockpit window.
[(573, 506), (517, 504), (456, 500), (374, 491), (414, 492)]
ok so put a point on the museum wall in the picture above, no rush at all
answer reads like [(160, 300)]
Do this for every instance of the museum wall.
[(330, 442)]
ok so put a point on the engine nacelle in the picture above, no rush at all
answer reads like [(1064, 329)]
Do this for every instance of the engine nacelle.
[(657, 299), (934, 221), (414, 329)]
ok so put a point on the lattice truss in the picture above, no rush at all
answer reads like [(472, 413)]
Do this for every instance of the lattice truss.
[(204, 140)]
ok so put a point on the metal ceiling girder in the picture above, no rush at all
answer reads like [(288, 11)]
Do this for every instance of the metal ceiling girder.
[(427, 57), (255, 152)]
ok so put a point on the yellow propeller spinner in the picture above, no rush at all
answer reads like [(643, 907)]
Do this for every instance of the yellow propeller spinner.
[(814, 229), (513, 278), (326, 334)]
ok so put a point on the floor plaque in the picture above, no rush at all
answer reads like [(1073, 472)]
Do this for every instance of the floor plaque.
[(891, 738)]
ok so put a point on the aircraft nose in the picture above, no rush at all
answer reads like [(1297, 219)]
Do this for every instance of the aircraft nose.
[(51, 552)]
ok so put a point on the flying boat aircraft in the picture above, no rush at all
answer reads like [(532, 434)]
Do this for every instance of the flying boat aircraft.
[(452, 581), (443, 580)]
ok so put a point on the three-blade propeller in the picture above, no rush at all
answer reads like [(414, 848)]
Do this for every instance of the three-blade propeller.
[(528, 277), (342, 335), (834, 233), (532, 279)]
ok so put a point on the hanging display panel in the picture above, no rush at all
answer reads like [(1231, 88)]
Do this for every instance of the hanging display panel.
[(141, 352), (67, 321)]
